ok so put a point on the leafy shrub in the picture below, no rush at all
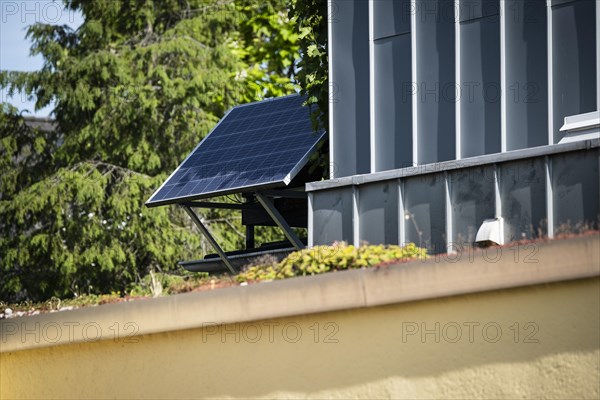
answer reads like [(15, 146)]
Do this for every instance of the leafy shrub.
[(320, 259)]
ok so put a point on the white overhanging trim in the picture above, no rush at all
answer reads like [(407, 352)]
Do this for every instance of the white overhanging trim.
[(581, 127), (581, 121)]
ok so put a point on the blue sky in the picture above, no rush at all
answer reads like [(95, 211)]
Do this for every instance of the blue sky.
[(15, 16)]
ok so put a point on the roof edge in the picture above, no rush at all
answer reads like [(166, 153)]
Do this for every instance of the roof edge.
[(440, 276)]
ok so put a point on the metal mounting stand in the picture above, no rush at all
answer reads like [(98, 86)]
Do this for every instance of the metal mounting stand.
[(272, 211), (265, 202), (210, 238)]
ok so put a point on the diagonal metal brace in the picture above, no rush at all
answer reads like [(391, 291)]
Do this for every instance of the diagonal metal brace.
[(279, 220), (210, 238)]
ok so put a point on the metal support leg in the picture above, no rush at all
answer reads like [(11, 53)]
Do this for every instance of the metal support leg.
[(274, 213), (249, 237), (210, 238), (249, 202)]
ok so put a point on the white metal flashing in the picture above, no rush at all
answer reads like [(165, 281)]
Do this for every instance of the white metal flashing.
[(581, 121)]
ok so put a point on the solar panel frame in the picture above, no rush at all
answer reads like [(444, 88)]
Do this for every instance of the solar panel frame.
[(278, 181)]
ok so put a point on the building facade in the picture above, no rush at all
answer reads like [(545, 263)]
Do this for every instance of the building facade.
[(448, 113)]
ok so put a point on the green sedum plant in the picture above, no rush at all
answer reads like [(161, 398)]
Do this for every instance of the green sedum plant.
[(321, 259)]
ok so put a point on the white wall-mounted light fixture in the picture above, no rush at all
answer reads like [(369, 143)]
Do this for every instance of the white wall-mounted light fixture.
[(491, 232)]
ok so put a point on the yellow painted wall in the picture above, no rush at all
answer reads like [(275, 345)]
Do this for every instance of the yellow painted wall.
[(370, 353)]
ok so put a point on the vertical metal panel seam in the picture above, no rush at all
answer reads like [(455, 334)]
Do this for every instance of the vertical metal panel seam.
[(401, 213), (549, 196), (449, 225), (355, 216), (550, 74), (457, 74), (311, 226), (415, 84), (503, 85), (598, 55), (372, 133), (497, 195), (330, 90)]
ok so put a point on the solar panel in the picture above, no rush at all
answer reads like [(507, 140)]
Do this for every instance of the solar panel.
[(254, 146)]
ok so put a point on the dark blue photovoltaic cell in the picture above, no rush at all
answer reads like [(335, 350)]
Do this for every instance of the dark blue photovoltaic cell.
[(254, 145)]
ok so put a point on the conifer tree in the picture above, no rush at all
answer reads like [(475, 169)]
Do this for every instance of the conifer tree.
[(134, 89)]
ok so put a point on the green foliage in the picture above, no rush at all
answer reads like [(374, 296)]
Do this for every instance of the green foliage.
[(317, 260), (25, 153), (28, 307), (268, 42), (311, 19), (321, 259), (135, 88), (84, 229), (143, 99), (157, 284)]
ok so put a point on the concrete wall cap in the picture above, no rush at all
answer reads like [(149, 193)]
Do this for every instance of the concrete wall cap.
[(448, 275)]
